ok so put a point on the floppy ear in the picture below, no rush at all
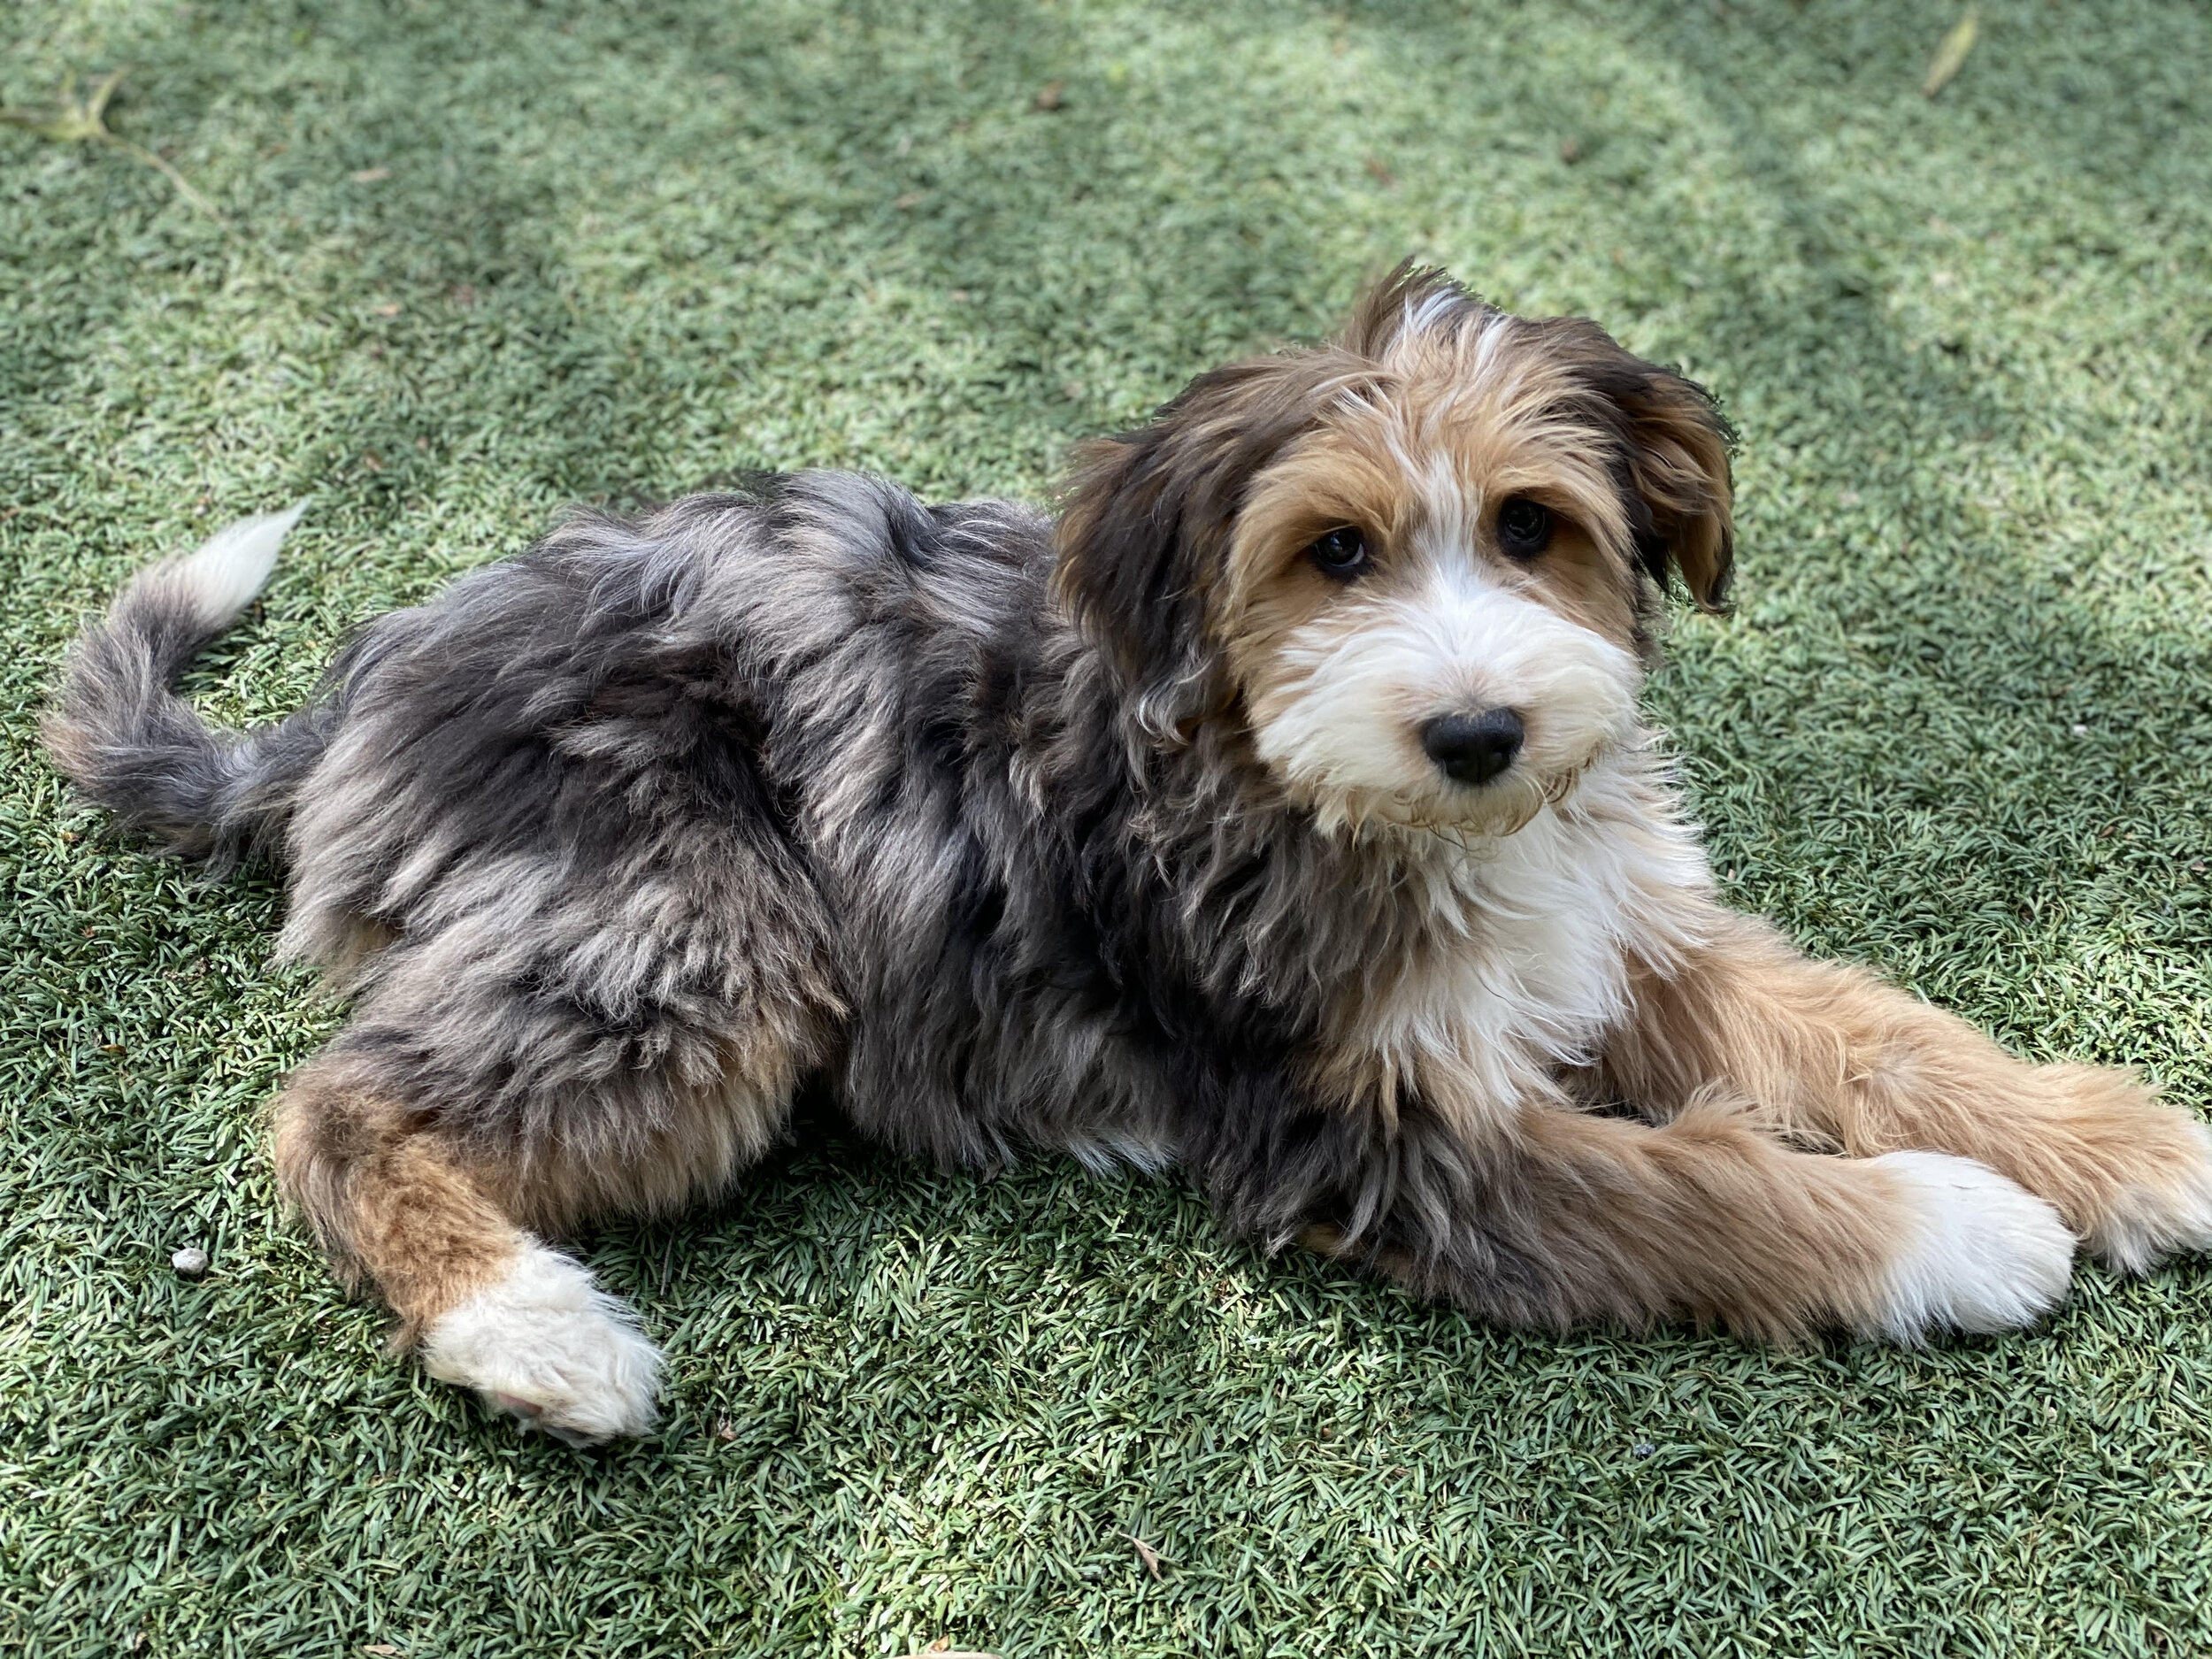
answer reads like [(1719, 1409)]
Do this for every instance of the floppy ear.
[(1674, 446), (1678, 466), (1145, 520)]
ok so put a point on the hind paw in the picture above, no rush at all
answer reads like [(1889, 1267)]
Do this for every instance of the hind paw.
[(545, 1346)]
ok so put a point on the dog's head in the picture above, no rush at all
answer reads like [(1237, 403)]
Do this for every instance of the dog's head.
[(1419, 563)]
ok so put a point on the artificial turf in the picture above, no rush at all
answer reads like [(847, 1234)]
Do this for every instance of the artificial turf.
[(481, 257)]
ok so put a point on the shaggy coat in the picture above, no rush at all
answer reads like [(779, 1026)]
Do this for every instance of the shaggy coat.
[(1281, 813)]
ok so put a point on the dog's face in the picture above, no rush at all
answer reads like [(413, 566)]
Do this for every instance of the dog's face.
[(1419, 565)]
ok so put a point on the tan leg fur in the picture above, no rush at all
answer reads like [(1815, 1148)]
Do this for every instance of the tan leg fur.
[(1829, 1055), (430, 1225)]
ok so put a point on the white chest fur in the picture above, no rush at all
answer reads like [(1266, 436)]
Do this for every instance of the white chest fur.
[(1523, 965)]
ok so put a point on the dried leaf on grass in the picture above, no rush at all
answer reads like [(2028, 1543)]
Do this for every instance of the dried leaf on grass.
[(1951, 56), (1146, 1554)]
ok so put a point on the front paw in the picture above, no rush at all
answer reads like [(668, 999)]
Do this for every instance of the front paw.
[(2144, 1171), (1984, 1254)]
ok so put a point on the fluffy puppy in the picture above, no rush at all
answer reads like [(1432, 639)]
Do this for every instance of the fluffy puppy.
[(1281, 814)]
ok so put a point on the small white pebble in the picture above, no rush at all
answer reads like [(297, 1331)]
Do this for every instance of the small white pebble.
[(190, 1261), (2080, 730)]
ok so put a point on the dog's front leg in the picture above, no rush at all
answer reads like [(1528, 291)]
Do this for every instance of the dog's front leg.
[(1561, 1217), (1829, 1055)]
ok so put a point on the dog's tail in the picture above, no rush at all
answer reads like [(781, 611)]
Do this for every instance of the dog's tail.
[(123, 736)]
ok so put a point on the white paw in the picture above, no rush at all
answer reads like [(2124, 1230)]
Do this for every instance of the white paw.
[(548, 1345), (2145, 1225), (1988, 1255)]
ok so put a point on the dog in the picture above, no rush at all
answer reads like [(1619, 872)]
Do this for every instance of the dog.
[(1281, 814)]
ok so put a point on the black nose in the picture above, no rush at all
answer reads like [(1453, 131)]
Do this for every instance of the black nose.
[(1473, 748)]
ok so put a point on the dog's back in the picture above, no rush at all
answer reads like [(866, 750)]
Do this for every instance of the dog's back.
[(565, 829), (646, 663)]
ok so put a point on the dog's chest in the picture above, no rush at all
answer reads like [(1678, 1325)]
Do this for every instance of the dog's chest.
[(1522, 965)]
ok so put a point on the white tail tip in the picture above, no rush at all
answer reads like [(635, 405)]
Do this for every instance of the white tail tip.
[(228, 569)]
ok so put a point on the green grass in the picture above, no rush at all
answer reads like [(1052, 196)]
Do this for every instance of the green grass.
[(481, 257)]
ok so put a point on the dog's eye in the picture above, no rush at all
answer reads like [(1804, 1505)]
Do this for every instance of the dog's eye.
[(1342, 554), (1523, 527)]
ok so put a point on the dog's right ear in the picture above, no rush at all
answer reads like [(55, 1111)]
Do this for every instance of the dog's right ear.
[(1145, 522), (1677, 459)]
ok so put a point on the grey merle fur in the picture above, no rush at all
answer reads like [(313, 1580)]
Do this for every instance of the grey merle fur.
[(990, 857)]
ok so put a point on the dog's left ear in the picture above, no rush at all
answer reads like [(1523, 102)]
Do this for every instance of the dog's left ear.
[(1672, 463), (1678, 465), (1146, 516)]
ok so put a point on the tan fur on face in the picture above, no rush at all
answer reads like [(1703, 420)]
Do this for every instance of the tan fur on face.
[(1664, 434), (1430, 417), (1177, 543), (1419, 453)]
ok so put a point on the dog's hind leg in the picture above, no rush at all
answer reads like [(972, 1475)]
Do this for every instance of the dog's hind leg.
[(1829, 1053), (1564, 1216), (494, 1091), (428, 1222)]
